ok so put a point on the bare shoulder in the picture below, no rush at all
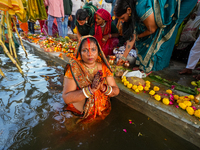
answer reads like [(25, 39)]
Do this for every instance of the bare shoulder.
[(69, 85)]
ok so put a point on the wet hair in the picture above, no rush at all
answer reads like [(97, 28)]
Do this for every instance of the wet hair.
[(120, 9), (81, 14)]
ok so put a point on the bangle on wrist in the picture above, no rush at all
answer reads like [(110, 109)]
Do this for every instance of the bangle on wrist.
[(110, 35), (123, 58), (108, 90), (87, 91), (137, 38)]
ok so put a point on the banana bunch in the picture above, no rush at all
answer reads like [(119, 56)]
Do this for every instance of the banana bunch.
[(36, 10)]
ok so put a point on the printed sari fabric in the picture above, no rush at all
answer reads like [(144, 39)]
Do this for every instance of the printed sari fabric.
[(97, 106), (154, 51), (110, 28)]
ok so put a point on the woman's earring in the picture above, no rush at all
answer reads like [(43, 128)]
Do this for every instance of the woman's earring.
[(129, 14), (86, 21)]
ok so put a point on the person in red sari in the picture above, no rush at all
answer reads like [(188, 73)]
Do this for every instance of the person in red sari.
[(106, 31)]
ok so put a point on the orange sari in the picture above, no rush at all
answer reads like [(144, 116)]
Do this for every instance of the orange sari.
[(97, 106)]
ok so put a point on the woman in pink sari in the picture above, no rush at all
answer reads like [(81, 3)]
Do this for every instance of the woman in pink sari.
[(106, 31)]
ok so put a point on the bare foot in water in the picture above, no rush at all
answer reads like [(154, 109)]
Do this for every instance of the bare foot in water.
[(186, 72)]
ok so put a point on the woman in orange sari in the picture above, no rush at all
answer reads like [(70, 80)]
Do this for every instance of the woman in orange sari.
[(106, 31), (89, 82)]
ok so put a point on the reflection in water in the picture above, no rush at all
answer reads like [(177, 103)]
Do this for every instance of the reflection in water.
[(31, 115), (27, 101)]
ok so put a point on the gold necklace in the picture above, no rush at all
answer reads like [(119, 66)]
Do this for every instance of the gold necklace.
[(91, 70)]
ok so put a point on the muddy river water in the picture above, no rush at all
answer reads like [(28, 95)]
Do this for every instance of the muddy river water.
[(28, 115)]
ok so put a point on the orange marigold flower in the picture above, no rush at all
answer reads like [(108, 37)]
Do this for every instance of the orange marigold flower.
[(155, 88), (147, 82), (190, 110), (134, 87), (176, 97), (157, 97), (152, 92), (187, 103), (165, 101), (197, 113), (140, 87), (191, 97), (169, 91), (146, 88), (182, 105)]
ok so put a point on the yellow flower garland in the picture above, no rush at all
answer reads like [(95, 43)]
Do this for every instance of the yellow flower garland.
[(147, 82), (140, 87), (152, 92), (157, 97), (197, 113), (134, 87), (190, 110), (129, 85), (191, 97), (165, 101), (146, 88), (155, 88), (176, 97), (182, 105), (169, 91), (187, 103), (183, 101)]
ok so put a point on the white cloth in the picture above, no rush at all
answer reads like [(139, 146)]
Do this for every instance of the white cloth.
[(194, 55), (136, 74), (76, 4)]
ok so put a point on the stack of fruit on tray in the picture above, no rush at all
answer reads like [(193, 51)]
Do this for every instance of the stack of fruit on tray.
[(63, 45)]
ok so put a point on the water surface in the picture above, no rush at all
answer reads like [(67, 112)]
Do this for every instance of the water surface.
[(29, 108)]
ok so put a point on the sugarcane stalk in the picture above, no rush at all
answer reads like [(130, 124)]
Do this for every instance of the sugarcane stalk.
[(11, 42), (19, 37), (1, 25), (10, 56), (1, 72)]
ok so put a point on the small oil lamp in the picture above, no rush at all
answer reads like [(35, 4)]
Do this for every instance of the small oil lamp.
[(126, 64), (111, 60)]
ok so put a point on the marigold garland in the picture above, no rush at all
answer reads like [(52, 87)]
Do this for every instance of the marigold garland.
[(165, 101), (184, 102), (190, 110)]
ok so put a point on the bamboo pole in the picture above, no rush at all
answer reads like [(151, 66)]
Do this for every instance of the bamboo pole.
[(19, 37), (1, 72), (11, 57), (10, 35)]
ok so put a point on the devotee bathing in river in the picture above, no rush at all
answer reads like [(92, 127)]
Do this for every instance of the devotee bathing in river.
[(152, 27), (89, 82)]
